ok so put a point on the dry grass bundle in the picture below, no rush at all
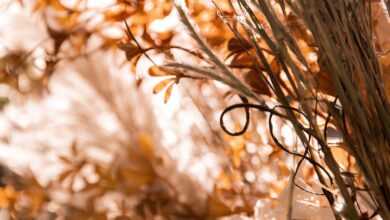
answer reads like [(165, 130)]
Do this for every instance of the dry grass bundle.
[(343, 88)]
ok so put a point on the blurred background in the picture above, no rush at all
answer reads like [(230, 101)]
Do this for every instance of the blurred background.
[(89, 131)]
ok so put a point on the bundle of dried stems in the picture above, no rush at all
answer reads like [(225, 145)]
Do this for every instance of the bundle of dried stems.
[(340, 32)]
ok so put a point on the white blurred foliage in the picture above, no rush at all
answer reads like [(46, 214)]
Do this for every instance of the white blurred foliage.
[(99, 107), (19, 28)]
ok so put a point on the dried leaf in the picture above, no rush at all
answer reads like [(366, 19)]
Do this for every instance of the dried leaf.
[(224, 181), (58, 36), (133, 179), (243, 60), (146, 146), (275, 66), (131, 50), (216, 208), (341, 156), (57, 5), (119, 13), (168, 93), (162, 84), (324, 83), (65, 174), (283, 169), (276, 154), (158, 71), (238, 45), (37, 196), (8, 196), (256, 82)]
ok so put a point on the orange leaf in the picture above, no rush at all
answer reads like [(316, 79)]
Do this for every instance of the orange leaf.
[(324, 83), (161, 85), (256, 82), (158, 71), (275, 155), (57, 5), (341, 156), (275, 66), (8, 196), (119, 13), (283, 169), (134, 179), (236, 45), (131, 50), (146, 145), (224, 181), (216, 208), (39, 5), (168, 93), (243, 60)]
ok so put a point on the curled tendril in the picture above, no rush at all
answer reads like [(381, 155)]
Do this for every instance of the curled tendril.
[(263, 108), (247, 117)]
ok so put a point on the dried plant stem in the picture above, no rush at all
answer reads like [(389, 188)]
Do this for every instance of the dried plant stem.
[(342, 32)]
